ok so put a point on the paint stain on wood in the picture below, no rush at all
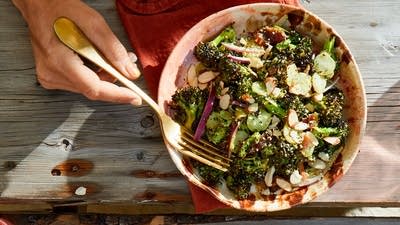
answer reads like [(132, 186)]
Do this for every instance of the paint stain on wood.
[(9, 165), (73, 168), (147, 121)]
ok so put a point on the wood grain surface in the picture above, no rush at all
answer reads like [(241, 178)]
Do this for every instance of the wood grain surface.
[(53, 142)]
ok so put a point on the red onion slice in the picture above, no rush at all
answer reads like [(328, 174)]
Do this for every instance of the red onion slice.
[(232, 136), (204, 116), (240, 49), (239, 59)]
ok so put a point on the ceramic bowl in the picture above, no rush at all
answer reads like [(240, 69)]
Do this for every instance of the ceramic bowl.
[(246, 17)]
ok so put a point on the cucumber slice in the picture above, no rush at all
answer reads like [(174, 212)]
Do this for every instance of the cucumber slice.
[(301, 84), (325, 65), (241, 135), (259, 88), (259, 122)]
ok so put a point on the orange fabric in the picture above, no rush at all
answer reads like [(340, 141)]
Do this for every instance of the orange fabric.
[(154, 27)]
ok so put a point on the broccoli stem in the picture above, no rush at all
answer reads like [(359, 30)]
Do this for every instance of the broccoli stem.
[(328, 47), (274, 108), (330, 131), (228, 34)]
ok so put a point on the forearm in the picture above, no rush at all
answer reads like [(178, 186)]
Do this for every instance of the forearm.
[(29, 8)]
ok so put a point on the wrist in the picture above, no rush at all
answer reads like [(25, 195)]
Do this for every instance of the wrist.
[(24, 5)]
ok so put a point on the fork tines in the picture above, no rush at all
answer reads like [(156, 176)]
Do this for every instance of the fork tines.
[(204, 150)]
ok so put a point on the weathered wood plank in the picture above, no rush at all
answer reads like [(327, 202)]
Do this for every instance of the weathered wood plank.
[(40, 129)]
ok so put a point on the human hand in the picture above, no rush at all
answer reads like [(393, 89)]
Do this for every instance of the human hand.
[(58, 67)]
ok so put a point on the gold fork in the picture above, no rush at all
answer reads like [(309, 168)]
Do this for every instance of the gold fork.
[(179, 138)]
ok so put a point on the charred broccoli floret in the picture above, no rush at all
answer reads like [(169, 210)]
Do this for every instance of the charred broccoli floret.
[(238, 77), (325, 148), (244, 172), (272, 106), (208, 52), (283, 156), (214, 57), (187, 105), (341, 130), (248, 143), (295, 102), (331, 108), (210, 175), (293, 49), (217, 126), (239, 184), (297, 49)]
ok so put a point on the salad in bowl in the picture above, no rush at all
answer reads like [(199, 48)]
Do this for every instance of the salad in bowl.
[(271, 88)]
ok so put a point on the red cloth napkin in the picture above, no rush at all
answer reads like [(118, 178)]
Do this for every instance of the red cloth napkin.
[(154, 27)]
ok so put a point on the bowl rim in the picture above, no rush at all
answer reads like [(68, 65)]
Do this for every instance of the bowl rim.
[(210, 190)]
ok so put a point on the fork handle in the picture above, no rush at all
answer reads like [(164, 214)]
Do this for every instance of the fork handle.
[(101, 62)]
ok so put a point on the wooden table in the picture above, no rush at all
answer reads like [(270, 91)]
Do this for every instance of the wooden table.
[(53, 142)]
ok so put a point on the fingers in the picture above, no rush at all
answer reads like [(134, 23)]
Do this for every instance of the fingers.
[(106, 91), (93, 88), (107, 77), (101, 35)]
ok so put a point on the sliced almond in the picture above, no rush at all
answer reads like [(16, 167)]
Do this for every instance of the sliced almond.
[(224, 91), (221, 84), (276, 92), (318, 164), (248, 98), (266, 192), (300, 126), (310, 180), (192, 76), (253, 107), (309, 140), (295, 177), (332, 140), (296, 136), (274, 122), (278, 192), (324, 156), (256, 62), (269, 176), (270, 84), (317, 97), (284, 184), (268, 50), (207, 76), (292, 118), (224, 101), (202, 86), (276, 133)]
